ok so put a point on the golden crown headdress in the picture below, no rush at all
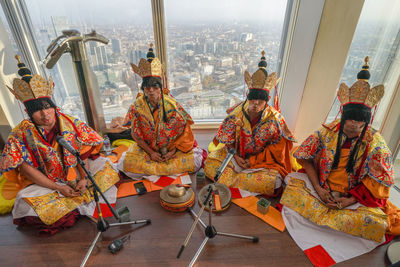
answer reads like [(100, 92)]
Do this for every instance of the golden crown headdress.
[(360, 92), (259, 79), (30, 87), (151, 67)]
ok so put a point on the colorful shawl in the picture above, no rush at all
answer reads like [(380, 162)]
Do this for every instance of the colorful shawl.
[(237, 130), (154, 130), (27, 143), (373, 159)]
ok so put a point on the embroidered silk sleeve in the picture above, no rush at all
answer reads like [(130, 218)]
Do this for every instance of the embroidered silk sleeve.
[(226, 132), (309, 148), (88, 136), (129, 116), (14, 154), (378, 164)]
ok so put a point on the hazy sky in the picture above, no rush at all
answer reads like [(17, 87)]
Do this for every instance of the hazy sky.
[(177, 11)]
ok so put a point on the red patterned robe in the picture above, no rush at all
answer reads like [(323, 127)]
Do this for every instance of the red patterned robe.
[(27, 143), (266, 143)]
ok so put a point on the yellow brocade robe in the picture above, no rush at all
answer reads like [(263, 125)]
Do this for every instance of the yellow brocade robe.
[(373, 170), (176, 133), (267, 145)]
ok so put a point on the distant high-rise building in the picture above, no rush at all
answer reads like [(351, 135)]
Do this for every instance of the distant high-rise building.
[(135, 55), (246, 37), (101, 55), (211, 47), (92, 46), (116, 46)]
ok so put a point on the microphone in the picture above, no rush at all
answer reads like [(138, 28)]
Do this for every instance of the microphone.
[(228, 158), (61, 141), (115, 246)]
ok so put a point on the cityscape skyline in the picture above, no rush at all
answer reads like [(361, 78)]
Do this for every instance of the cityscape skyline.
[(206, 61)]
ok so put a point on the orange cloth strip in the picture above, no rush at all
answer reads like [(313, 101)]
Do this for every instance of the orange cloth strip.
[(128, 189), (217, 202), (273, 217), (337, 178), (275, 156)]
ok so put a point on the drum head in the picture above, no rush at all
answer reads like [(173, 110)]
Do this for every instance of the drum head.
[(393, 252), (224, 194)]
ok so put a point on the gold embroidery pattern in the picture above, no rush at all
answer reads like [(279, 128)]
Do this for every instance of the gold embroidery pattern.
[(365, 222), (137, 161), (262, 181), (51, 207)]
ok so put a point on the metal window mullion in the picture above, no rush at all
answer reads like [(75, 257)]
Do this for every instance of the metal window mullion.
[(289, 25), (159, 32), (21, 29)]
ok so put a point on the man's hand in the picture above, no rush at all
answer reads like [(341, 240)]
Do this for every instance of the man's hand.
[(81, 186), (244, 163), (343, 202), (325, 196), (67, 191), (170, 154), (155, 156)]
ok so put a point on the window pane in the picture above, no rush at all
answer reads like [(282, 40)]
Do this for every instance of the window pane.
[(16, 51), (212, 43), (377, 36), (128, 26)]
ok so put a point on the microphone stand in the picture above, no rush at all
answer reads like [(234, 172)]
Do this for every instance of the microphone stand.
[(209, 230), (102, 225)]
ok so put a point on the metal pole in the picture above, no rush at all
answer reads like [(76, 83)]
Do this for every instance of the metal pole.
[(71, 41), (88, 87), (198, 252), (90, 249)]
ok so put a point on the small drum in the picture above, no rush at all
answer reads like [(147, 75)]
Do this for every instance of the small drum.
[(176, 198), (224, 195), (393, 252)]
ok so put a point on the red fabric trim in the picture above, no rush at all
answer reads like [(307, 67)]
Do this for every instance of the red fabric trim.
[(87, 154), (164, 181), (319, 257), (364, 197), (279, 207), (41, 138), (388, 238), (152, 76), (105, 211), (235, 192), (357, 103), (260, 89), (65, 222), (36, 98), (35, 164)]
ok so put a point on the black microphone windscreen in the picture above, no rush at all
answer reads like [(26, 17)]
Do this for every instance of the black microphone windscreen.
[(61, 140)]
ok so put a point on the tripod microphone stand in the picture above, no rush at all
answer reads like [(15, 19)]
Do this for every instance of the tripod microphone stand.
[(102, 225), (209, 230)]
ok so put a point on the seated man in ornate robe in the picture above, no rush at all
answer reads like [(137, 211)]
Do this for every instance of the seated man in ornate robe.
[(43, 176), (259, 135), (164, 141), (348, 175)]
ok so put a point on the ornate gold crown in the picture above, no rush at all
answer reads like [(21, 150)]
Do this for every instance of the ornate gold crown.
[(259, 80), (151, 67), (30, 87), (360, 92)]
